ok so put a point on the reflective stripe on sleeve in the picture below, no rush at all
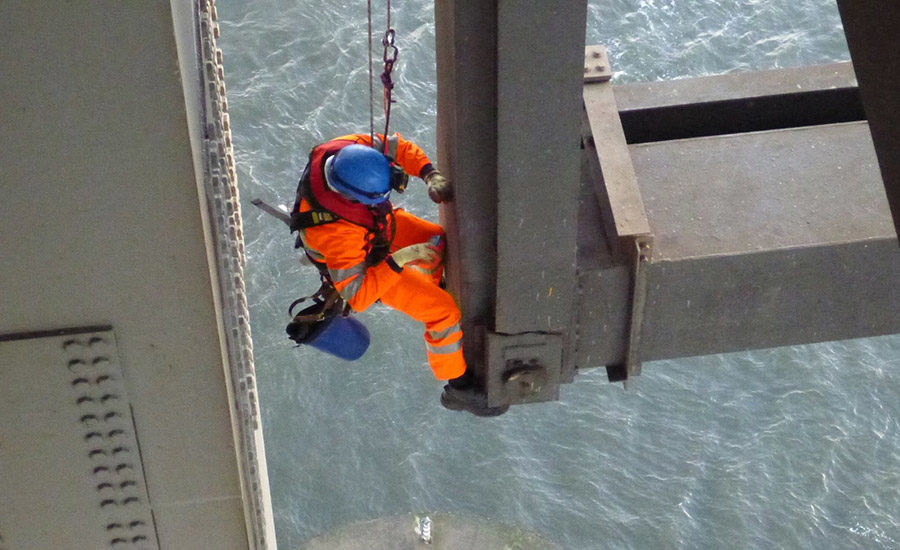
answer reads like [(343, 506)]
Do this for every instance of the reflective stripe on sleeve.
[(392, 145), (338, 275)]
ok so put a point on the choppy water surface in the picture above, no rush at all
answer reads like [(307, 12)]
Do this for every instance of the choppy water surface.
[(788, 448)]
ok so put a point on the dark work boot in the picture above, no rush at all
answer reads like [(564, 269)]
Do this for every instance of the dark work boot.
[(463, 382), (469, 399)]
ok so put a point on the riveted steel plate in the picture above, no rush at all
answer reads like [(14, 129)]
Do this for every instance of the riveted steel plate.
[(72, 448)]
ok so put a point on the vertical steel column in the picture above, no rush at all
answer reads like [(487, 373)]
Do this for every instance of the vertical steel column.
[(466, 44), (509, 74), (872, 34), (540, 69)]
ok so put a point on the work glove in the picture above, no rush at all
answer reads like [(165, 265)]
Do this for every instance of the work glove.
[(439, 187), (422, 251)]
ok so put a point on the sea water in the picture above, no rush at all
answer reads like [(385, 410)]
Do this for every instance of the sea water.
[(787, 448)]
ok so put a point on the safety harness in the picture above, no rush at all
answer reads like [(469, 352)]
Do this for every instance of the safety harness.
[(327, 207)]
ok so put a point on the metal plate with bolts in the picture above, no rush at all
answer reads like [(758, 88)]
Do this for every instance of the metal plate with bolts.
[(596, 64), (523, 368)]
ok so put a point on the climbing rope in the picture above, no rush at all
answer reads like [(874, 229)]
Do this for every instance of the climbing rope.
[(389, 57), (371, 89)]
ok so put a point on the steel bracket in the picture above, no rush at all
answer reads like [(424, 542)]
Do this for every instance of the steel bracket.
[(596, 64), (523, 368), (641, 254)]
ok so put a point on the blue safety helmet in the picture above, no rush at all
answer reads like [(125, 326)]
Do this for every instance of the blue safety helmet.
[(360, 173)]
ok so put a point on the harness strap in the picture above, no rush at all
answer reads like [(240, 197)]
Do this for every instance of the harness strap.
[(327, 304), (311, 218), (327, 296)]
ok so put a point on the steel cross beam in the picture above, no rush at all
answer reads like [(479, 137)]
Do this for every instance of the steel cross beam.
[(769, 219)]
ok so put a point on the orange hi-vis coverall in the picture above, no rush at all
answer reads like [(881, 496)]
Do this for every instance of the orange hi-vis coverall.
[(413, 289)]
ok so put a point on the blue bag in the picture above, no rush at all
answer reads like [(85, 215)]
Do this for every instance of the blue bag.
[(327, 326)]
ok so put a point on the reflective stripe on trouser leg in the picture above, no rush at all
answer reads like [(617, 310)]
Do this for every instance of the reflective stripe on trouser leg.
[(341, 277), (444, 349), (417, 296)]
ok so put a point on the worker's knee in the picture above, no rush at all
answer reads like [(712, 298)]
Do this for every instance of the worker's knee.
[(417, 296)]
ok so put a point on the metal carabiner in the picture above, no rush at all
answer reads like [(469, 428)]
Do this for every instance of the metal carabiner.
[(388, 43)]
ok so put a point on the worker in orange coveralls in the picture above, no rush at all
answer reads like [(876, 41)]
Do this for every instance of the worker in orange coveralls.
[(374, 251)]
